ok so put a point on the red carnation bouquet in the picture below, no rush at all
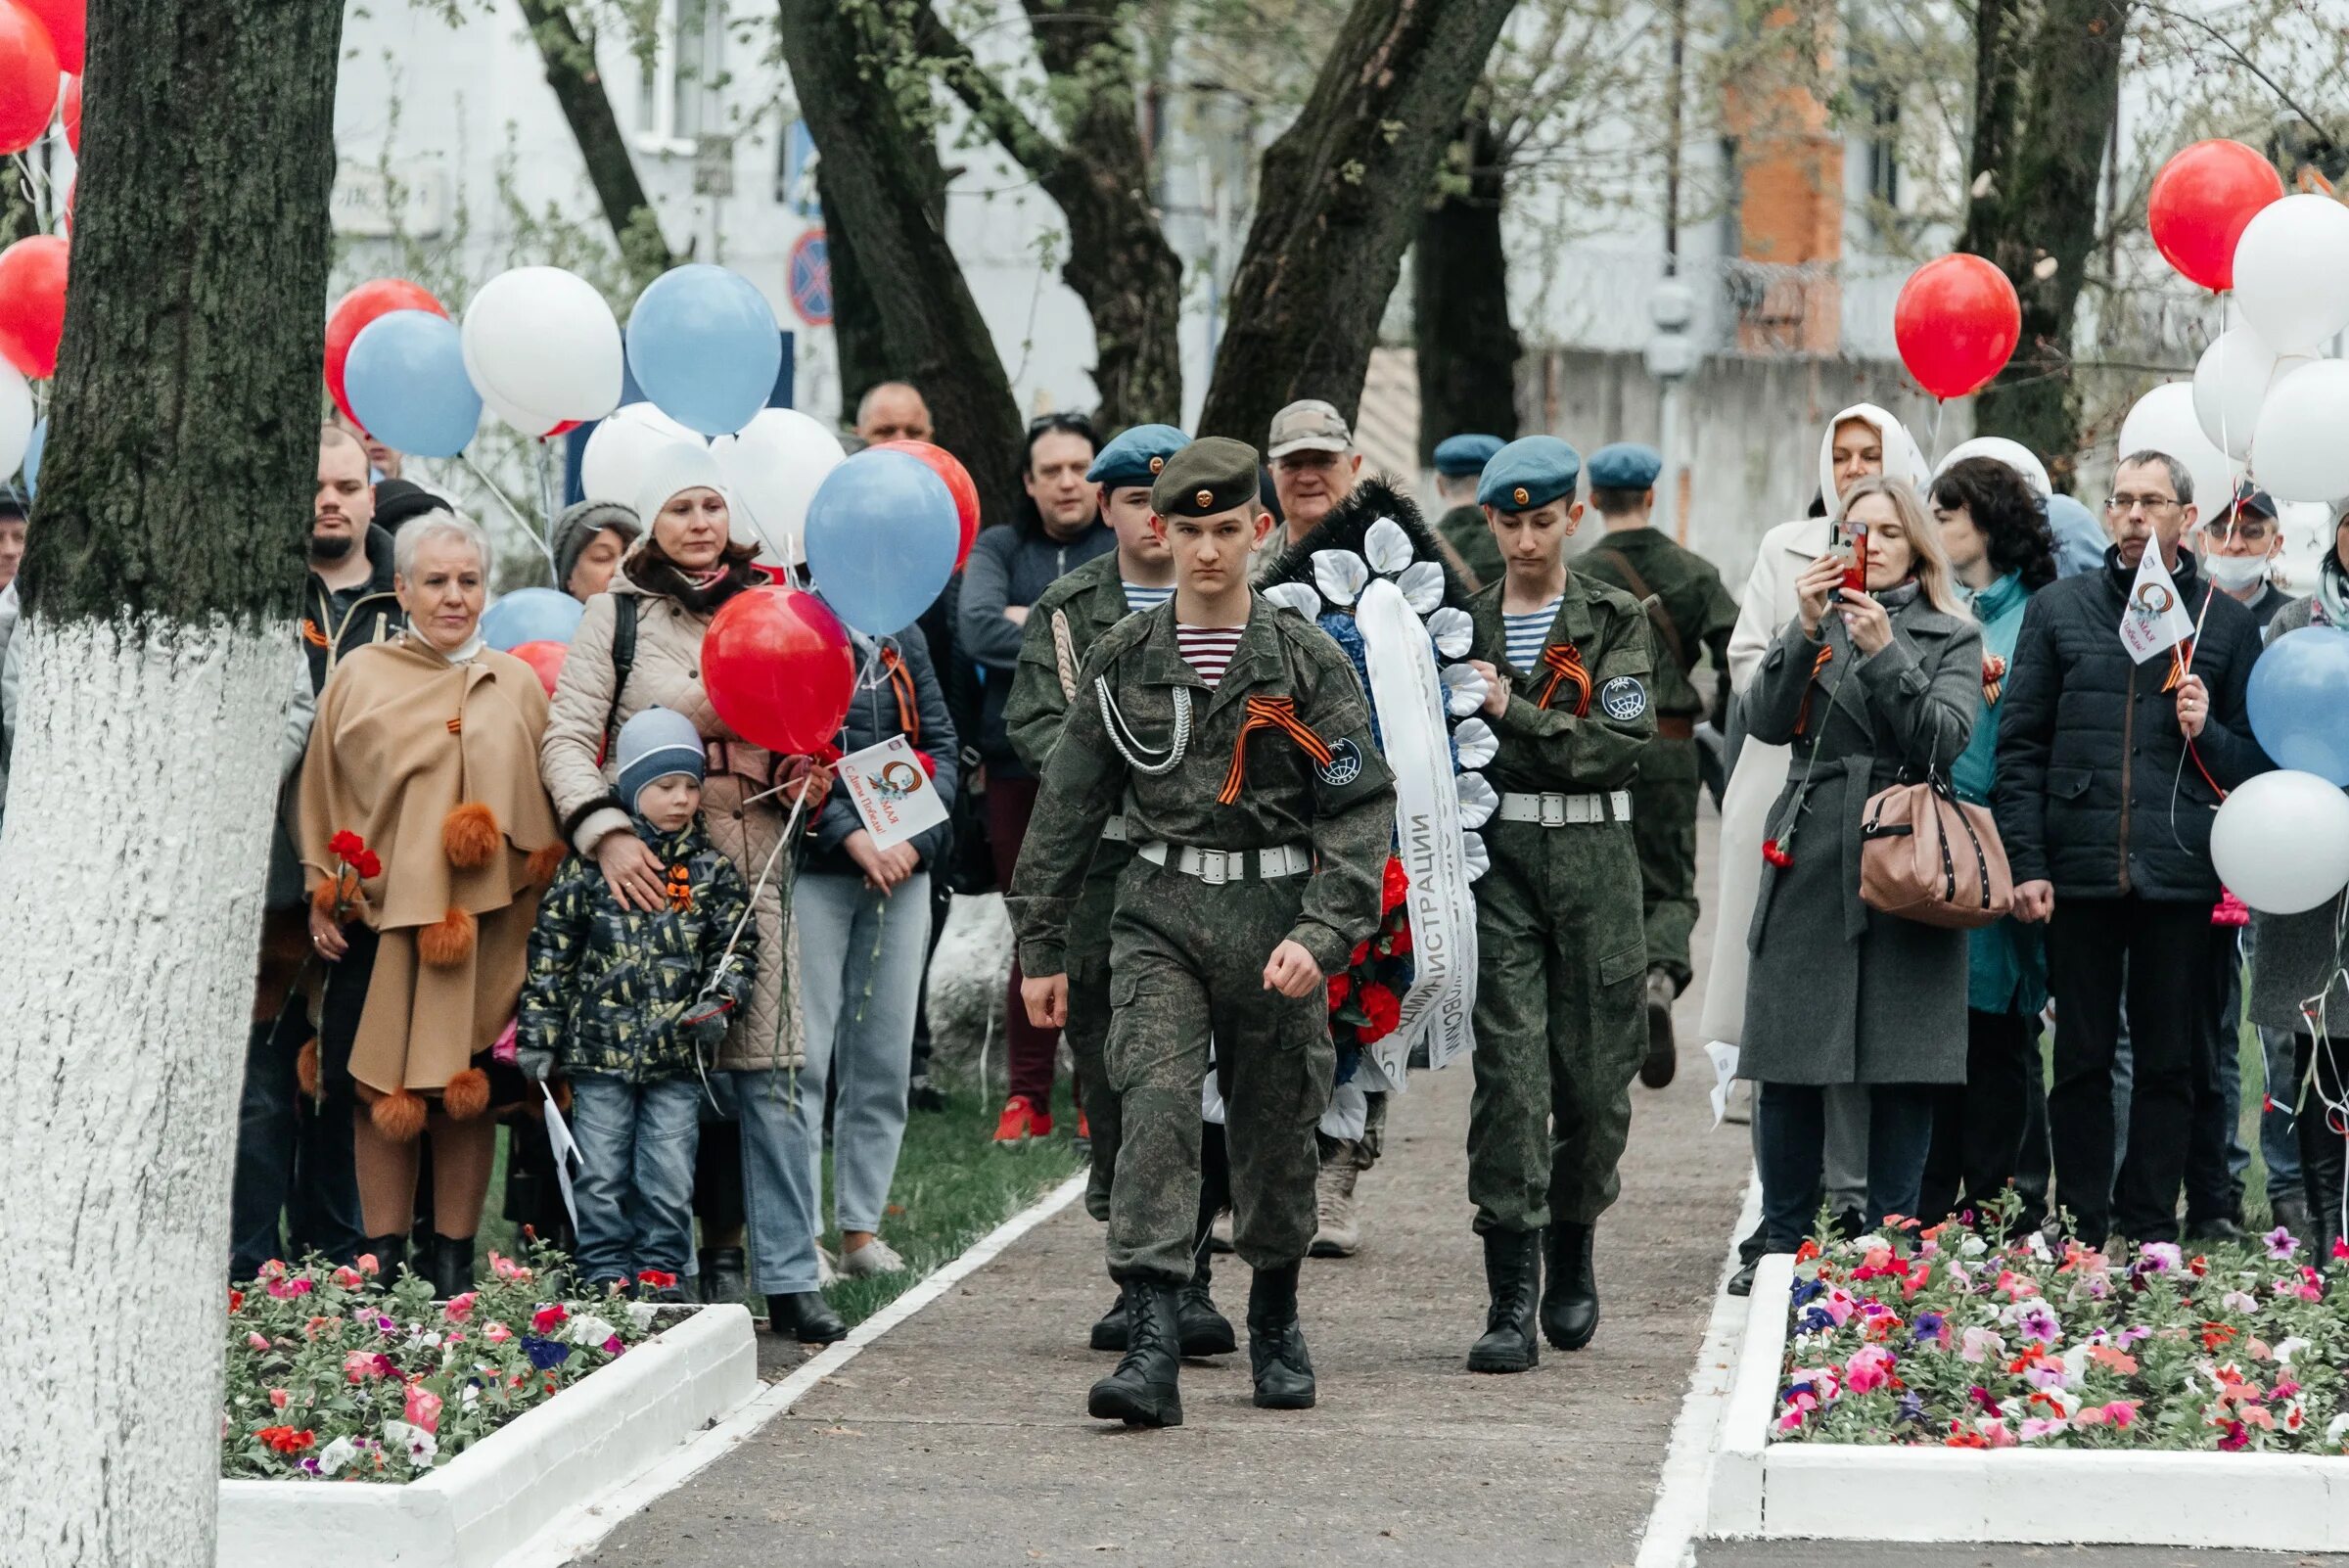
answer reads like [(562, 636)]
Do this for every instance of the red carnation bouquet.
[(355, 863), (1365, 1002)]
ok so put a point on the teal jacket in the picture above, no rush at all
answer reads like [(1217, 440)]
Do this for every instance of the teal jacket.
[(2007, 964)]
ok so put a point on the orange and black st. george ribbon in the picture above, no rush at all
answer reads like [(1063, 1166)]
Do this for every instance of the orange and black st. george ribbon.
[(1564, 662), (1269, 712)]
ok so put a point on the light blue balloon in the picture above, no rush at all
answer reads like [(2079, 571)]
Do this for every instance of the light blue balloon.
[(704, 345), (530, 615), (406, 381), (2299, 701), (881, 537), (32, 458)]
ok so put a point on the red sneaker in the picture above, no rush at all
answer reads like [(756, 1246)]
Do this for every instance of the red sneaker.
[(1040, 1124), (1017, 1124), (1084, 1129)]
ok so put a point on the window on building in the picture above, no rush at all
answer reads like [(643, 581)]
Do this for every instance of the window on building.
[(679, 88), (1884, 148)]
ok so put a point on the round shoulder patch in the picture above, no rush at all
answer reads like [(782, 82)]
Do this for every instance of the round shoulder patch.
[(1624, 699), (1344, 767)]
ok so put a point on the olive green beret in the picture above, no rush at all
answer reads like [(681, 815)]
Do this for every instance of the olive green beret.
[(1206, 479)]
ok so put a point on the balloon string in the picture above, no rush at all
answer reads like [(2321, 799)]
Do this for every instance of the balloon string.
[(546, 497), (512, 510), (1940, 407)]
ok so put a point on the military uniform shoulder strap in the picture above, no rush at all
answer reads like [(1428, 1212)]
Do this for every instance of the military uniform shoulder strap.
[(1655, 604)]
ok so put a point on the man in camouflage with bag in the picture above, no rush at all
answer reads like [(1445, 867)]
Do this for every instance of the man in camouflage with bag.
[(1693, 616), (1062, 627), (1566, 662), (1259, 816)]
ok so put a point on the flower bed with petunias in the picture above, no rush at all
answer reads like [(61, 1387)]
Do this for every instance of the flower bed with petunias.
[(334, 1375), (1946, 1337)]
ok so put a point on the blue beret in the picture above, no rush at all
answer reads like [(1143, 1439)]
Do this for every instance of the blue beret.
[(1531, 471), (1136, 455), (1624, 465), (1457, 456)]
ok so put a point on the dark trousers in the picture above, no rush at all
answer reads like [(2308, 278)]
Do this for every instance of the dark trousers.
[(2323, 1138), (292, 1155), (1790, 1144), (1029, 1052), (2160, 951), (2213, 1191), (1979, 1124)]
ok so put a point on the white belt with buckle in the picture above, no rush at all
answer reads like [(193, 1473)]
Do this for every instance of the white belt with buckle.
[(1560, 810), (1113, 831), (1214, 867)]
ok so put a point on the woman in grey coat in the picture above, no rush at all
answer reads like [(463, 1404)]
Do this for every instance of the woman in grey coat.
[(1869, 689)]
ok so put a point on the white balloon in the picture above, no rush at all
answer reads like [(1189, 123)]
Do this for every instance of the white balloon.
[(2163, 421), (2298, 450), (2232, 384), (2280, 841), (773, 466), (2291, 271), (15, 418), (614, 461), (541, 344), (2000, 449)]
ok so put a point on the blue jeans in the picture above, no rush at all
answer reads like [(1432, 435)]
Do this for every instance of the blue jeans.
[(860, 975), (635, 1190), (1790, 1136), (779, 1174)]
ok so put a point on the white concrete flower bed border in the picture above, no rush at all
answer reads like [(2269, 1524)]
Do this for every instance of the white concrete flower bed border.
[(1831, 1491), (490, 1502)]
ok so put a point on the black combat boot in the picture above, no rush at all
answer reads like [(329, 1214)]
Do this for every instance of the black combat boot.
[(1144, 1391), (1513, 1275), (1109, 1335), (391, 1255), (723, 1278), (1570, 1295), (451, 1266), (1204, 1331), (805, 1316), (1284, 1372)]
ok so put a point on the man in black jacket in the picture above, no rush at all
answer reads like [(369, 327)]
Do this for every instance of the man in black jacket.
[(2108, 773)]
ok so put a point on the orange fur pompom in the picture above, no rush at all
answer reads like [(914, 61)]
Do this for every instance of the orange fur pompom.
[(469, 835), (539, 871), (446, 941), (343, 889), (399, 1116), (305, 1068), (467, 1094)]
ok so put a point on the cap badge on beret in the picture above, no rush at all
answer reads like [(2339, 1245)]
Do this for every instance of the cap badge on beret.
[(1157, 463), (1522, 495), (1206, 498)]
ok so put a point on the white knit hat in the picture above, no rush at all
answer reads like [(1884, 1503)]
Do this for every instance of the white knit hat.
[(672, 467)]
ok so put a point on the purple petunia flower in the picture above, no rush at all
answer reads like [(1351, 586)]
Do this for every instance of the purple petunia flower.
[(1929, 1326), (2280, 1243), (544, 1354)]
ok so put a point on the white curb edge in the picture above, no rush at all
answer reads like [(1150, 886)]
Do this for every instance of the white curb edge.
[(582, 1529)]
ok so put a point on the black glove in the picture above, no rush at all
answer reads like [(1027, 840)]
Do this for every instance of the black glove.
[(537, 1066), (707, 1031)]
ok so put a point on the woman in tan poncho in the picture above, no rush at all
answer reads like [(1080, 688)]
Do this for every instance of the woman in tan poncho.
[(425, 748)]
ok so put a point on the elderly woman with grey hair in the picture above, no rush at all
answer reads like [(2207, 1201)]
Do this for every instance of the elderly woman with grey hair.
[(426, 839)]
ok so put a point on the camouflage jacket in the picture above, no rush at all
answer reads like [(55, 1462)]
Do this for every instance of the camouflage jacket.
[(1086, 602), (1551, 749), (1693, 612), (1343, 806), (609, 990)]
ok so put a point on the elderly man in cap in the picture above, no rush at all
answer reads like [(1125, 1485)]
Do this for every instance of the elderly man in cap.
[(1459, 461), (1693, 615), (1314, 467), (1569, 672), (1258, 814)]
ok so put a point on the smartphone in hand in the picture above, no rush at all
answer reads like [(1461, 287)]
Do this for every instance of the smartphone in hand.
[(1854, 575)]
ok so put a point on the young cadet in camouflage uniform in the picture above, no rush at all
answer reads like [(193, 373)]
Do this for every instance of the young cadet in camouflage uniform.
[(1557, 917), (1259, 817), (1459, 461), (1693, 616), (1062, 625)]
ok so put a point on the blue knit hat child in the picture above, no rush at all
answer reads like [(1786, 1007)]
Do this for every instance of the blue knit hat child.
[(654, 745)]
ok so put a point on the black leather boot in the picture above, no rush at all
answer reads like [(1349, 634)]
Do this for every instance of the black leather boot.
[(1109, 1335), (1277, 1356), (1204, 1331), (805, 1316), (451, 1266), (1144, 1390), (722, 1278), (1513, 1276), (1570, 1295), (391, 1255)]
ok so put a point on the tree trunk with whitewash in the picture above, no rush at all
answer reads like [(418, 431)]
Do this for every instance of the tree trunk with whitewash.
[(165, 558)]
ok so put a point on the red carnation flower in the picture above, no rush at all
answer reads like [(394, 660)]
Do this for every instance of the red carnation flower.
[(366, 864), (1341, 987), (1361, 955), (657, 1279), (1383, 1009), (285, 1439), (1399, 941), (345, 843), (1396, 886)]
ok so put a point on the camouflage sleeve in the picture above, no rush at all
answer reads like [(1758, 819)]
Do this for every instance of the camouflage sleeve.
[(1354, 822), (1034, 712), (1084, 781), (556, 941), (1597, 750), (728, 901)]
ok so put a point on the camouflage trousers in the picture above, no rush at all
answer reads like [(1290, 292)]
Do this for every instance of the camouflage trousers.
[(1087, 1028), (1559, 1025), (1187, 966), (1664, 826)]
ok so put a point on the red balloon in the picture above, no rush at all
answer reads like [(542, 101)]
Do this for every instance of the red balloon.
[(2200, 203), (28, 84), (67, 23), (776, 664), (352, 313), (947, 465), (70, 111), (544, 657), (1957, 323), (32, 303)]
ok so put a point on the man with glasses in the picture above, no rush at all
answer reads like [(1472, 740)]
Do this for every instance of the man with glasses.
[(2108, 773), (2239, 551)]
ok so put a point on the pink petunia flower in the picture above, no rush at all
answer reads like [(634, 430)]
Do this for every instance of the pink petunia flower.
[(460, 1307), (1980, 1345), (2035, 1427), (423, 1409), (258, 1342), (497, 1334), (1869, 1370), (2282, 1243)]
